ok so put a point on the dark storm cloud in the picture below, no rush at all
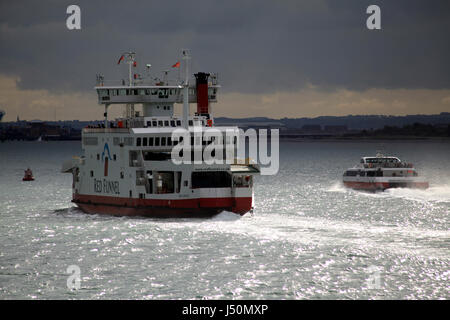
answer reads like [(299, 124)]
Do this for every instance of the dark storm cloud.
[(256, 46)]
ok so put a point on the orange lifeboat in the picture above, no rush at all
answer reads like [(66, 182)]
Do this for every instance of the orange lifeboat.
[(28, 175)]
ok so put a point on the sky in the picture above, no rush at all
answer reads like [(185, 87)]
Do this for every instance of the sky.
[(274, 58)]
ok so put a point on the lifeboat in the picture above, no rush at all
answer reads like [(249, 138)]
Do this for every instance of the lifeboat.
[(28, 175)]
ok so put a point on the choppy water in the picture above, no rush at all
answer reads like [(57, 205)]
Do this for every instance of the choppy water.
[(310, 238)]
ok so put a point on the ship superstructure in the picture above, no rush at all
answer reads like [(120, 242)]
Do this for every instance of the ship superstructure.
[(383, 172), (127, 168)]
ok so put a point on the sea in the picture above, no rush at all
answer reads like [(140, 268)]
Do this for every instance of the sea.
[(308, 238)]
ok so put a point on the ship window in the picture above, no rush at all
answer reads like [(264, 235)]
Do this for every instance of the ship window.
[(92, 173), (114, 157), (371, 173), (178, 123), (147, 92), (154, 91), (156, 156), (149, 183), (141, 91), (168, 107), (165, 182), (138, 142), (154, 123), (351, 173), (121, 175), (149, 123), (169, 141), (213, 179), (166, 123), (144, 142), (191, 123), (135, 92), (160, 123), (172, 123), (150, 141), (98, 156), (122, 92), (163, 141), (157, 141)]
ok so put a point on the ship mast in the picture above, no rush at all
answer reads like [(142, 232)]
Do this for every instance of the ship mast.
[(186, 58), (130, 60)]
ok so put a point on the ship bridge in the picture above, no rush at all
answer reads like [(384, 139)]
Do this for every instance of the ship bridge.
[(158, 97)]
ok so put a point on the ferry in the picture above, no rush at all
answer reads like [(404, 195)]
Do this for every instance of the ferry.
[(126, 168), (383, 172)]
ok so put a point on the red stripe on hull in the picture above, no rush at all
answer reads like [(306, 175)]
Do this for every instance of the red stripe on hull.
[(373, 186), (161, 208)]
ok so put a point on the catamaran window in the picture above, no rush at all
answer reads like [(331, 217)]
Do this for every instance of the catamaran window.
[(157, 141), (211, 179), (150, 142), (160, 123), (144, 142), (163, 141), (154, 123), (138, 142), (178, 123), (172, 123), (166, 123)]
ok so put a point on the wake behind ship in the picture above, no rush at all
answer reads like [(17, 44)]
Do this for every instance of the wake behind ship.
[(126, 167)]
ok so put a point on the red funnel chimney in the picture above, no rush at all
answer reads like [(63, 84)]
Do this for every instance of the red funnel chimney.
[(201, 82)]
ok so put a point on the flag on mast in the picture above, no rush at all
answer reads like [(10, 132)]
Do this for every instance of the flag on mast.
[(176, 65)]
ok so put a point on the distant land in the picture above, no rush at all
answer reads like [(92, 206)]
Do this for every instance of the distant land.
[(342, 127), (352, 122)]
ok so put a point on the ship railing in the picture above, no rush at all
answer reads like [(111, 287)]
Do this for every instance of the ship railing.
[(137, 82), (106, 130)]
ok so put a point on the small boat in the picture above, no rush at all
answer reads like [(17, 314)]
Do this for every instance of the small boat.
[(28, 175), (381, 173)]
